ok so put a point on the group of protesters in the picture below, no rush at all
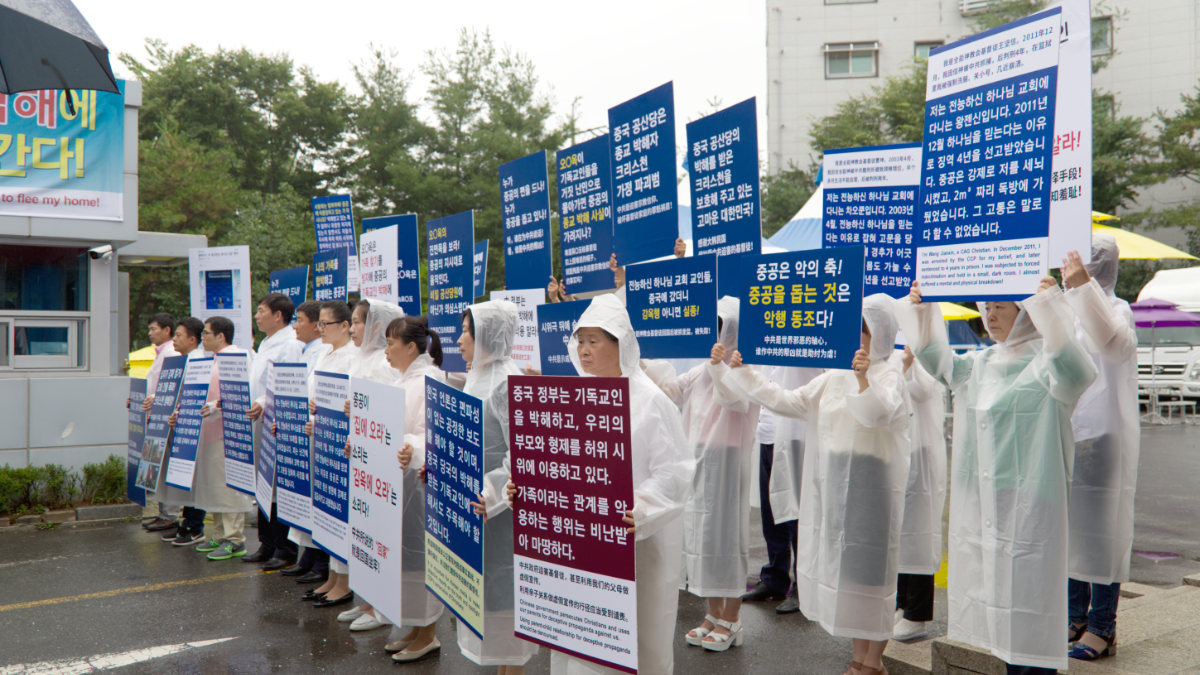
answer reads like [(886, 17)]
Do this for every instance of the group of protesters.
[(852, 469)]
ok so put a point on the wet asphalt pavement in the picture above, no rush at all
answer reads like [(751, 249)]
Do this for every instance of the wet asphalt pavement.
[(77, 593)]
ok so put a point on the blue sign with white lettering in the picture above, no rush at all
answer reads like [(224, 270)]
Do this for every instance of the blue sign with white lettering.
[(408, 258), (292, 282), (451, 281), (673, 306), (185, 441), (293, 455), (481, 257), (722, 161), (556, 323), (137, 435), (802, 308), (333, 220), (585, 215), (329, 275), (331, 466), (525, 213), (645, 199), (871, 200)]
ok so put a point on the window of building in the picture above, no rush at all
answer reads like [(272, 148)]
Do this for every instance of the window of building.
[(43, 278), (1102, 35), (851, 59), (921, 49)]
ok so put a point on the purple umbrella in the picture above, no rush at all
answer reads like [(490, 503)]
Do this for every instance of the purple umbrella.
[(1153, 312)]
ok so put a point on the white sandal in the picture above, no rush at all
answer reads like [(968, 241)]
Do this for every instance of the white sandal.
[(715, 642), (696, 635)]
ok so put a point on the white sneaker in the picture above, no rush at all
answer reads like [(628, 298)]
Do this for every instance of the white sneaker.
[(369, 621), (350, 614), (898, 617), (909, 630)]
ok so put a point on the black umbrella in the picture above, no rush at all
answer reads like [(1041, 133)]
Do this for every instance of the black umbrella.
[(47, 44)]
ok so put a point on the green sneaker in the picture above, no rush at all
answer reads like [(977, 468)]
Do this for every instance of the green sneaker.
[(228, 550), (210, 545)]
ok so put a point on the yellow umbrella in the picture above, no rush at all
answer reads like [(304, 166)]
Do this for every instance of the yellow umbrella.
[(1137, 247), (953, 312), (140, 361)]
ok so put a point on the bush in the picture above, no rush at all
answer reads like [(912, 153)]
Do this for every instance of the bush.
[(60, 487), (105, 483)]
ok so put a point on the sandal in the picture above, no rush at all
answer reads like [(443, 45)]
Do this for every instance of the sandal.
[(855, 666), (1075, 631), (719, 642), (864, 670), (1082, 652), (696, 635)]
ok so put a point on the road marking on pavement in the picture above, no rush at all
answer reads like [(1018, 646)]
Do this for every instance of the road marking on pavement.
[(40, 560), (90, 664), (132, 589)]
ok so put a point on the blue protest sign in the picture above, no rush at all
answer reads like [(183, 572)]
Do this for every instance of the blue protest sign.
[(408, 279), (451, 281), (525, 210), (333, 220), (137, 435), (233, 382), (330, 270), (185, 441), (644, 196), (802, 308), (454, 476), (983, 231), (264, 461), (871, 200), (722, 160), (154, 446), (331, 467), (481, 256), (292, 282), (673, 306), (556, 323), (293, 471), (585, 215)]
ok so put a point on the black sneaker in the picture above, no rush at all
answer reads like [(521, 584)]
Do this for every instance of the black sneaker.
[(170, 533), (160, 524), (188, 539)]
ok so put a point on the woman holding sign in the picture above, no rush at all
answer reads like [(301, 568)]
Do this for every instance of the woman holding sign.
[(603, 345), (1010, 472), (716, 519), (488, 331), (855, 469), (416, 352)]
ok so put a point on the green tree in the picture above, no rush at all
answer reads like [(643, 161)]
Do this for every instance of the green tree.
[(893, 112), (782, 196)]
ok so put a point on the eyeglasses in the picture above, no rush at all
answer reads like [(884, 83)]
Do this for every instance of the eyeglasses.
[(323, 324)]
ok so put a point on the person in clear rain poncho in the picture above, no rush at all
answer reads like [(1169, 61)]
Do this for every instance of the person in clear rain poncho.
[(1010, 467), (604, 345), (1107, 438), (852, 497), (716, 519), (924, 501), (488, 331)]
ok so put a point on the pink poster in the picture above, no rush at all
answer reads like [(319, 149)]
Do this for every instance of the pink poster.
[(574, 558)]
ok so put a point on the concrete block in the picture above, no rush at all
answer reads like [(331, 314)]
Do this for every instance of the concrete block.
[(955, 658), (1192, 580), (60, 516), (908, 658), (108, 511), (28, 520)]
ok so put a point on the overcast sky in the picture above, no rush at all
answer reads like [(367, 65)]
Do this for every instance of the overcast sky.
[(601, 52)]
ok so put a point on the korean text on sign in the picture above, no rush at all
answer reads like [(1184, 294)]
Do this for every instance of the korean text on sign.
[(451, 281), (574, 557), (137, 435), (585, 214), (453, 478), (292, 282), (233, 381), (154, 445), (330, 467), (985, 174), (803, 308), (673, 306), (644, 195), (556, 323), (408, 261), (330, 274), (722, 162), (293, 454), (185, 441), (333, 220), (264, 461), (525, 213), (871, 201)]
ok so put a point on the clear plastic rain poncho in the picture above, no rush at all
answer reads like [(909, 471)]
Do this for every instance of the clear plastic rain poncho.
[(720, 428), (495, 324), (662, 474), (1106, 425), (787, 460), (418, 606), (855, 468), (1010, 463), (925, 494), (372, 363)]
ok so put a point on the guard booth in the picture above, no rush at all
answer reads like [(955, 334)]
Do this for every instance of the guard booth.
[(68, 217)]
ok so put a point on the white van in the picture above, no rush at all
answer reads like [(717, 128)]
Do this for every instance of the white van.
[(1169, 357)]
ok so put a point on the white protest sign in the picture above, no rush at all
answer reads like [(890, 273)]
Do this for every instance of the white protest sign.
[(527, 351)]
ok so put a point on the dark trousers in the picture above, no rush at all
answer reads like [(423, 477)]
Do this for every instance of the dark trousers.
[(1095, 605), (1028, 670), (914, 595), (273, 536), (193, 520), (781, 538), (314, 560)]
